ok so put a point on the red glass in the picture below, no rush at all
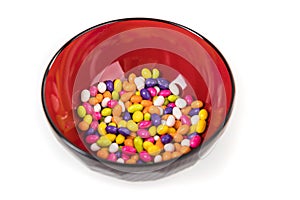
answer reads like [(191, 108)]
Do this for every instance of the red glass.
[(136, 42)]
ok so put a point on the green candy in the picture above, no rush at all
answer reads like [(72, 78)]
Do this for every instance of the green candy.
[(146, 73), (135, 107), (88, 119), (106, 112), (115, 95), (132, 126), (81, 112), (155, 73), (172, 98), (103, 141), (166, 102), (138, 143), (152, 130)]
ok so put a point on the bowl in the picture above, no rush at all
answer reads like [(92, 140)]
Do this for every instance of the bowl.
[(119, 47)]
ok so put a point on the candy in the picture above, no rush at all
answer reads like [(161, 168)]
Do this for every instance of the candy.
[(166, 138), (155, 73), (103, 141), (165, 93), (95, 147), (117, 110), (174, 89), (90, 139), (185, 142), (129, 87), (139, 82), (101, 128), (112, 103), (147, 145), (178, 137), (90, 131), (115, 95), (185, 120), (169, 147), (203, 114), (154, 110), (113, 148), (101, 87), (135, 107), (162, 129), (127, 116), (93, 91), (120, 160), (197, 104), (200, 127), (195, 141), (163, 83), (103, 153), (105, 101), (128, 150), (126, 96), (166, 156), (170, 121), (152, 130), (137, 116), (107, 119), (97, 107), (120, 139), (85, 95), (109, 85), (176, 112), (145, 94), (146, 73), (144, 156), (138, 143), (154, 150), (118, 85), (150, 82), (111, 129), (132, 126), (172, 98), (112, 157), (88, 119), (195, 119), (147, 116), (159, 101), (168, 110), (144, 124), (106, 112), (152, 92), (124, 131), (131, 77), (81, 112), (183, 129), (194, 111), (180, 103), (157, 159), (143, 133)]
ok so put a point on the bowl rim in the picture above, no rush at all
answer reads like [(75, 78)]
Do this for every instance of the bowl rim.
[(86, 154)]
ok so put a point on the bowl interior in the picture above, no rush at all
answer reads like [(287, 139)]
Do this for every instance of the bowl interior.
[(133, 44)]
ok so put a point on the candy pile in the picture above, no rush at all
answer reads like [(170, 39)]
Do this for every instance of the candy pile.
[(140, 120)]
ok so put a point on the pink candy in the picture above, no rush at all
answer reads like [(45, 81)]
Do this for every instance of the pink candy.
[(152, 91), (93, 90), (144, 124), (125, 156), (171, 105), (150, 139), (144, 156), (94, 125), (189, 99), (185, 120), (165, 93), (143, 133), (128, 150), (96, 116), (112, 103), (112, 157), (89, 109), (195, 141), (122, 92), (90, 139)]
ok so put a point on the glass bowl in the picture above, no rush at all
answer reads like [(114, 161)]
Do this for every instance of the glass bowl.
[(119, 47)]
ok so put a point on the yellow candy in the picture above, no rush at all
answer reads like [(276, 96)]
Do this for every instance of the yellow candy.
[(132, 126), (120, 139), (171, 130), (118, 85), (172, 98), (154, 150), (162, 129), (137, 116), (122, 123), (137, 93), (147, 116), (138, 143), (88, 119), (203, 114), (155, 73), (193, 128), (111, 137), (146, 73), (81, 111), (135, 107), (115, 95), (201, 126), (147, 144), (106, 112), (112, 124), (152, 130), (101, 128)]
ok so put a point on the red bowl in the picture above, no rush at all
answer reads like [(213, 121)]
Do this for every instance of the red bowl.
[(133, 43)]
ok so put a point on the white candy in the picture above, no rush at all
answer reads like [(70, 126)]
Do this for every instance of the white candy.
[(170, 121), (156, 137), (157, 89), (113, 148), (163, 122), (195, 119), (97, 107), (177, 113), (161, 111), (105, 101), (185, 142), (120, 160), (157, 158), (85, 95), (107, 119), (101, 87), (95, 147), (139, 82), (180, 103), (122, 105), (169, 147), (180, 81), (173, 88), (159, 101)]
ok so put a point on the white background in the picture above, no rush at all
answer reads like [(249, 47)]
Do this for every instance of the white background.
[(257, 157)]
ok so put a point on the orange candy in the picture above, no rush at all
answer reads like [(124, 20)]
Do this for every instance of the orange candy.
[(146, 103), (83, 125), (136, 99), (128, 142), (107, 94), (93, 101)]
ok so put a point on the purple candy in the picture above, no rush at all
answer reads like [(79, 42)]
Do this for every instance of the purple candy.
[(139, 162), (90, 131), (190, 136), (111, 129), (194, 111), (127, 116), (155, 119), (166, 138), (150, 82), (124, 131), (109, 85), (118, 154), (145, 94), (168, 110), (162, 83)]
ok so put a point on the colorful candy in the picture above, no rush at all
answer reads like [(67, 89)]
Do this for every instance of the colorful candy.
[(142, 119)]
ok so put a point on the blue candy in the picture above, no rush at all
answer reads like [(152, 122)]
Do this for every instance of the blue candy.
[(194, 111), (150, 82), (111, 129), (155, 119), (90, 131), (162, 83), (124, 131), (168, 110), (127, 116), (192, 135)]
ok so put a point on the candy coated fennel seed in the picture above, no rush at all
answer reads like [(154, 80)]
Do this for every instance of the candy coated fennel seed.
[(141, 119)]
